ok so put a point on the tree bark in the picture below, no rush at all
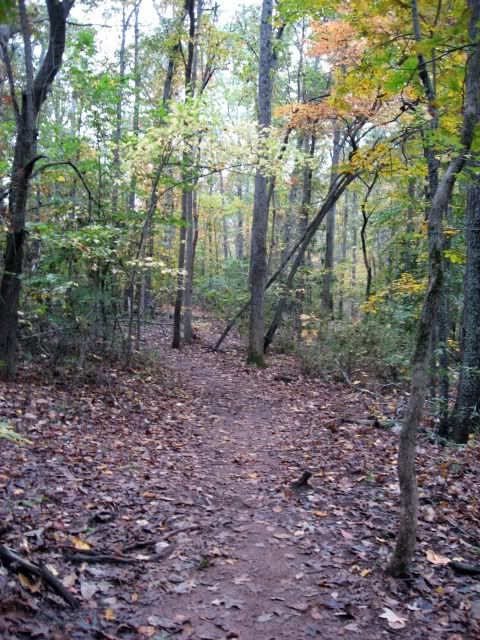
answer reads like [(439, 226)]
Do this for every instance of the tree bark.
[(226, 246), (328, 264), (33, 96), (343, 255), (353, 275), (239, 244), (465, 418), (258, 250), (117, 136), (187, 190), (402, 556), (366, 259), (336, 190), (293, 202)]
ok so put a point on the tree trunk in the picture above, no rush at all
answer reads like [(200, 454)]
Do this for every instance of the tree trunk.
[(187, 193), (136, 100), (239, 239), (226, 247), (304, 214), (343, 255), (293, 202), (258, 250), (405, 544), (336, 190), (192, 212), (466, 415), (353, 277), (366, 259), (443, 323), (189, 260), (328, 264), (24, 158), (117, 135)]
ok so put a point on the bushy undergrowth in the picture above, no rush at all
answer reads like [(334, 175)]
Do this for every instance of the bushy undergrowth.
[(224, 292), (355, 352)]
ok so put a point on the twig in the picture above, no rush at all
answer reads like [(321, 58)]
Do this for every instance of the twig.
[(69, 163), (100, 558), (105, 558), (164, 538), (11, 558)]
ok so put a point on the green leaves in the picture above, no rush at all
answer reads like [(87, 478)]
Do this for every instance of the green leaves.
[(7, 433), (6, 9), (293, 10)]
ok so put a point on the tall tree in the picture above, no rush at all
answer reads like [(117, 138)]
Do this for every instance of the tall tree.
[(187, 193), (258, 250), (329, 261), (405, 544), (33, 95), (465, 416)]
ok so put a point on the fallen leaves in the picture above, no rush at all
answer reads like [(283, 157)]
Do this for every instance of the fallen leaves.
[(88, 589), (436, 558), (129, 464), (80, 544), (394, 620)]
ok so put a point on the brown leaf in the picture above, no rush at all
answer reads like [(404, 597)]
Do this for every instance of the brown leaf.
[(436, 558), (394, 620)]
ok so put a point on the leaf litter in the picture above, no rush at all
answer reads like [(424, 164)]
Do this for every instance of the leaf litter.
[(184, 468)]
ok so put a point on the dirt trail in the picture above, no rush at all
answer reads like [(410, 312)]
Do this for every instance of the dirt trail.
[(197, 442), (271, 578)]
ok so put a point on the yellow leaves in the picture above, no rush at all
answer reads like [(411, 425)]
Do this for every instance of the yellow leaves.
[(60, 178), (455, 256), (109, 614), (472, 441), (309, 335), (80, 544), (361, 572), (372, 304), (404, 285), (450, 232), (407, 284), (29, 585)]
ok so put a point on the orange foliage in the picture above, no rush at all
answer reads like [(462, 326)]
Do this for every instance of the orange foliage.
[(338, 41), (312, 117)]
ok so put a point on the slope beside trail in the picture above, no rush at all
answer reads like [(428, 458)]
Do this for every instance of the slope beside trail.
[(185, 466)]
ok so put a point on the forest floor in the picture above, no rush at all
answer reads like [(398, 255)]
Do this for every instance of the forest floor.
[(161, 498)]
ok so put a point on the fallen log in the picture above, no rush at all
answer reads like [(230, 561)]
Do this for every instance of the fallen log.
[(366, 422)]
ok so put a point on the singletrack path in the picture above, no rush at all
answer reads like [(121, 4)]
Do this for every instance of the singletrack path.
[(184, 465)]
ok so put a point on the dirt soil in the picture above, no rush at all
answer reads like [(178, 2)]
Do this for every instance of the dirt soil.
[(162, 499)]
